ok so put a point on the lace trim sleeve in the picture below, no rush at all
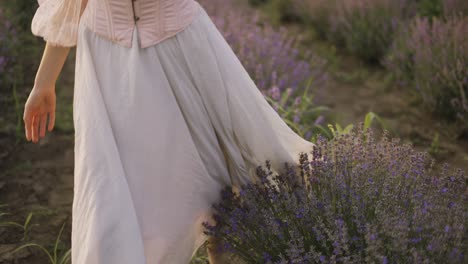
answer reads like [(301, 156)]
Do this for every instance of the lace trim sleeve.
[(56, 21)]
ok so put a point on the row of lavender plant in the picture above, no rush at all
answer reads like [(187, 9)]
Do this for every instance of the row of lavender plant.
[(356, 199), (287, 77), (433, 56), (367, 27), (424, 43), (9, 70), (19, 56), (8, 40)]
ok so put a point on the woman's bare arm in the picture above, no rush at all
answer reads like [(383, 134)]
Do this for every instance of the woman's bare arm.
[(51, 65), (53, 60), (41, 103)]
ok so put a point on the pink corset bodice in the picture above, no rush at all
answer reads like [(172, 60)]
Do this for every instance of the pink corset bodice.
[(57, 20)]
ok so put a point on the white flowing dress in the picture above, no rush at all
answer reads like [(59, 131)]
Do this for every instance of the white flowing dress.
[(159, 131)]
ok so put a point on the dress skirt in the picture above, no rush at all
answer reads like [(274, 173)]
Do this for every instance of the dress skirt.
[(159, 132)]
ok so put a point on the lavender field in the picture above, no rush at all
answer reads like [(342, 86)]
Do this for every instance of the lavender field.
[(379, 85)]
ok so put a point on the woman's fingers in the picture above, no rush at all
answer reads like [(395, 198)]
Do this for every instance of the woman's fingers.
[(27, 125), (43, 125), (35, 128), (39, 114), (51, 119), (35, 125)]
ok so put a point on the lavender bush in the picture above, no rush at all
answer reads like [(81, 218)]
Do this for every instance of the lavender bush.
[(455, 7), (8, 72), (21, 49), (441, 8), (257, 2), (433, 56), (9, 40), (284, 75), (430, 8), (23, 12), (366, 27), (3, 49), (317, 14), (363, 27), (358, 200), (270, 55), (20, 53)]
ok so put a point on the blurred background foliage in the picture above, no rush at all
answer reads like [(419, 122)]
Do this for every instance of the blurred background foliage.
[(423, 43)]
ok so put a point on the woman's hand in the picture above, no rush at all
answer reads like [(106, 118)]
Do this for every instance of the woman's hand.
[(40, 105), (41, 101)]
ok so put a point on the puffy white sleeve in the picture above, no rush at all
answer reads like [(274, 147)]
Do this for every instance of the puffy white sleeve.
[(56, 21)]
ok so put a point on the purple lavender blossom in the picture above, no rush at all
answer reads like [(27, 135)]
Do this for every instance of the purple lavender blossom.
[(327, 209)]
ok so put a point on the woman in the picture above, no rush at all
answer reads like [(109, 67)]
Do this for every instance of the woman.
[(165, 116)]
